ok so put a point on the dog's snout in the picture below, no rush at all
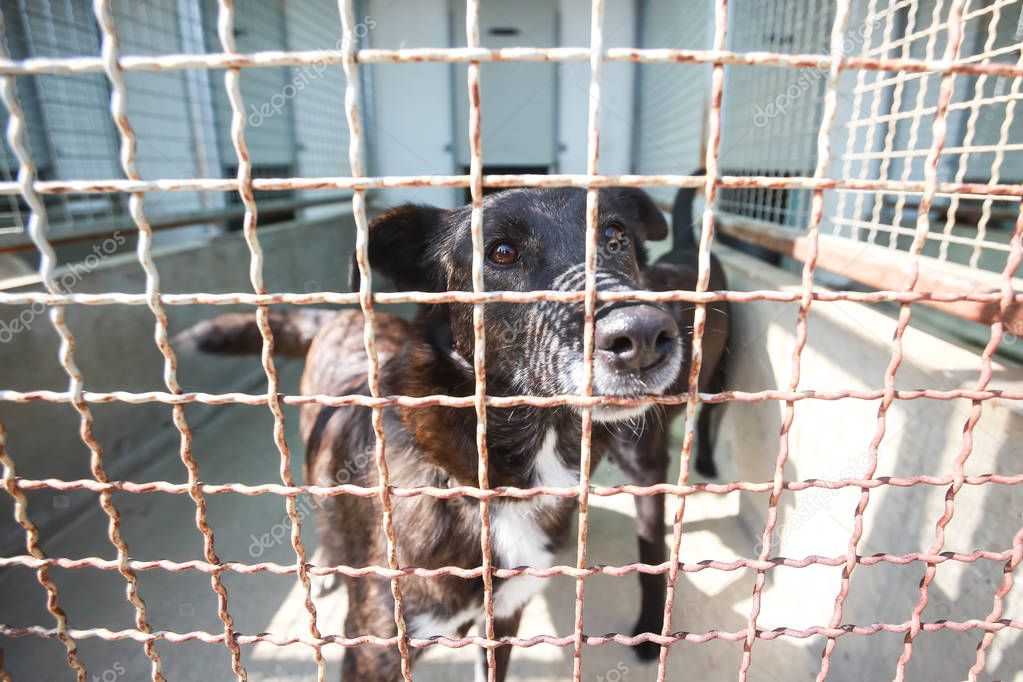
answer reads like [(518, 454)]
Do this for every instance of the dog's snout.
[(637, 337)]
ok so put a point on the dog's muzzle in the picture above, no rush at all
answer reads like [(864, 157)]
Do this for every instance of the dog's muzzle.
[(636, 339), (637, 352)]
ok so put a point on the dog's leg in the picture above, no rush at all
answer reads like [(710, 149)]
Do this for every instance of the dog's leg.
[(330, 515), (503, 627), (704, 444), (371, 611), (646, 463), (705, 464)]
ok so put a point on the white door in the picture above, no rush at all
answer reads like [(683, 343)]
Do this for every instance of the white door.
[(517, 99)]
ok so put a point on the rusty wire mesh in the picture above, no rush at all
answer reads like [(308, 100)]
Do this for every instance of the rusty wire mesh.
[(876, 62)]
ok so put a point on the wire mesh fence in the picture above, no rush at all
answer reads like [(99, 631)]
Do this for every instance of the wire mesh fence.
[(182, 117), (902, 136)]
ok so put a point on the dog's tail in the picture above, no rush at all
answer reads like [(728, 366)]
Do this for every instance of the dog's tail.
[(238, 333)]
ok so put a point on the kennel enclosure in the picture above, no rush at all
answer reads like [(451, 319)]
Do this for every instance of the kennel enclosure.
[(238, 147)]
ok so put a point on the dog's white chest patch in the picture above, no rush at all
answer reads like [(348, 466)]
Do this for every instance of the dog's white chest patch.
[(550, 470), (518, 538)]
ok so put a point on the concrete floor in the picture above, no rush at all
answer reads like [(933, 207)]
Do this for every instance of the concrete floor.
[(236, 446)]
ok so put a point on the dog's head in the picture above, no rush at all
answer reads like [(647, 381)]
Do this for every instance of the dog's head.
[(536, 239)]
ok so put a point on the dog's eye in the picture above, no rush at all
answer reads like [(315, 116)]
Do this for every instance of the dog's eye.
[(614, 235), (503, 253)]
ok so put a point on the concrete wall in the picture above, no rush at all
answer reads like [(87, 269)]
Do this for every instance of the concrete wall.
[(115, 351), (849, 348)]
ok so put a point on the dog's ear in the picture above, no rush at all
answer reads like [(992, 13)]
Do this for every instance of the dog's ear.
[(649, 217), (398, 246)]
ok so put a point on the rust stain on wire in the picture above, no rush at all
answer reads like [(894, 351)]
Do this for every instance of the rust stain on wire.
[(699, 320), (838, 29), (997, 333), (36, 554), (479, 349), (853, 543), (37, 224), (232, 84), (16, 138), (353, 84), (589, 312), (940, 129)]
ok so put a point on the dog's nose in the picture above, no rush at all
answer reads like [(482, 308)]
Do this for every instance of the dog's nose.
[(636, 337)]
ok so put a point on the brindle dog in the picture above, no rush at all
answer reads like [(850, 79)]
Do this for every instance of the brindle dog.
[(534, 239)]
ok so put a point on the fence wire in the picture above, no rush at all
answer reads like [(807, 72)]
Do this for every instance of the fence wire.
[(858, 181)]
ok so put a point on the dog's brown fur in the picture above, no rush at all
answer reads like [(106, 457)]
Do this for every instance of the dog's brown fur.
[(431, 532)]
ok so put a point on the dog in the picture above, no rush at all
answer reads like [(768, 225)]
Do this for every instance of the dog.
[(535, 239), (645, 459)]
